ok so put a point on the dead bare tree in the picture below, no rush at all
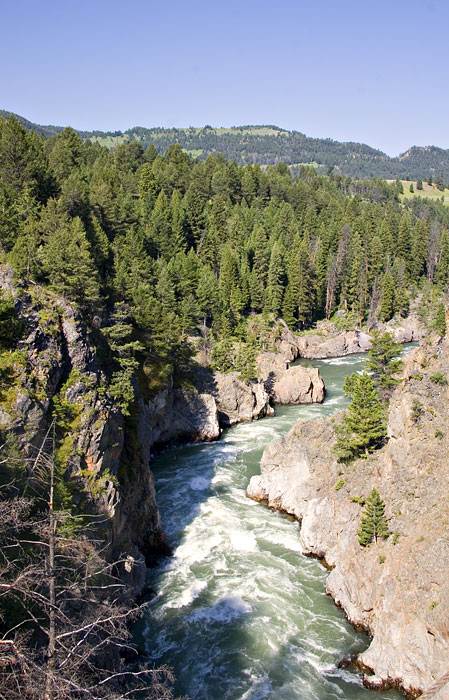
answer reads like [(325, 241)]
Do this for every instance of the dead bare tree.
[(64, 613)]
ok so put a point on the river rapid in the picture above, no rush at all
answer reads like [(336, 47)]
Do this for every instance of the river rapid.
[(240, 614)]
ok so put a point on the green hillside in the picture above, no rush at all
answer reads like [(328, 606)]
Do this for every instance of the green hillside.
[(268, 145)]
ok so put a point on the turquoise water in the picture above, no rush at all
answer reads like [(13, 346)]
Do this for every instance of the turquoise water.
[(240, 614)]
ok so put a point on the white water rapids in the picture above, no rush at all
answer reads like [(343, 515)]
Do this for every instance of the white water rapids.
[(240, 614)]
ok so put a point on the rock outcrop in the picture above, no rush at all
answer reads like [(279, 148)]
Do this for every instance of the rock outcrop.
[(397, 589), (328, 341), (177, 415), (289, 385), (238, 402), (56, 371)]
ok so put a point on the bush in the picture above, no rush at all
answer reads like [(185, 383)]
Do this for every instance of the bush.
[(439, 378)]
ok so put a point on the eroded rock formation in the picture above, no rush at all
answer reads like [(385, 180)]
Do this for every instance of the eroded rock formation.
[(397, 589)]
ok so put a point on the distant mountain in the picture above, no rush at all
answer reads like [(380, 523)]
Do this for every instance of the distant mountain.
[(269, 145)]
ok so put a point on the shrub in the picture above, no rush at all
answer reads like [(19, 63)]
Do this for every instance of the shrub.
[(439, 378)]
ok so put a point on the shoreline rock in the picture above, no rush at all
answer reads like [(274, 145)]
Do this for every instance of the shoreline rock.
[(328, 342), (398, 589), (289, 385)]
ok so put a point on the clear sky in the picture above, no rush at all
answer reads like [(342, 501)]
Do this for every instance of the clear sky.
[(355, 70)]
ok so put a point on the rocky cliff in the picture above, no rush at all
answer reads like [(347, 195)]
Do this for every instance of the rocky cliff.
[(103, 457), (397, 589), (328, 341), (55, 373)]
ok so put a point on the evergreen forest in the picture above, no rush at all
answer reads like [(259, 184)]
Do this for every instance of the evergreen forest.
[(169, 260), (167, 256)]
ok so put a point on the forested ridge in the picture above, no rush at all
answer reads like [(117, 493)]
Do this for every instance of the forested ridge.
[(156, 247), (170, 260), (269, 145)]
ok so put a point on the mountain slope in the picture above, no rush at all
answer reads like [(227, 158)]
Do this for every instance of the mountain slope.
[(270, 144)]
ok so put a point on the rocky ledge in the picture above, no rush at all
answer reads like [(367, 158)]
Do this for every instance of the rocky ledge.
[(328, 341), (397, 589), (220, 400)]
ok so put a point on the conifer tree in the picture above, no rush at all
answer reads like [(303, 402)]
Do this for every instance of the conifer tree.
[(245, 361), (68, 264), (419, 249), (363, 426), (178, 222), (387, 305), (404, 246), (275, 286), (383, 360), (377, 258), (160, 227), (373, 524), (442, 270), (439, 322)]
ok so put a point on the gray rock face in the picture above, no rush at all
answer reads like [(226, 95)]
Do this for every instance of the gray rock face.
[(289, 385), (397, 589), (177, 415), (329, 342), (238, 402), (59, 362), (220, 400)]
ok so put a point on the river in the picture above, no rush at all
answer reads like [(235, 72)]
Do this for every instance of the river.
[(240, 614)]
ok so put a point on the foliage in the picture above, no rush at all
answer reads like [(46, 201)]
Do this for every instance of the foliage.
[(439, 322), (269, 144), (438, 378), (417, 410), (340, 483), (383, 362), (11, 327), (362, 428), (63, 611), (373, 524)]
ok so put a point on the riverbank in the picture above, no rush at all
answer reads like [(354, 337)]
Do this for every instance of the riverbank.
[(397, 590), (240, 613)]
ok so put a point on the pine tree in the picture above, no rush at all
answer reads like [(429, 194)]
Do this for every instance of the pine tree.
[(404, 246), (160, 227), (439, 322), (178, 222), (67, 153), (245, 361), (374, 523), (419, 249), (275, 286), (387, 305), (68, 264), (363, 426), (442, 269), (383, 362)]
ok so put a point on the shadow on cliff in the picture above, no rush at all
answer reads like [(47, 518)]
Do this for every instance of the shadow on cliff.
[(269, 383), (183, 480)]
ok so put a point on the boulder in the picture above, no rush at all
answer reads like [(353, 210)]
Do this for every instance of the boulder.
[(289, 385), (237, 401)]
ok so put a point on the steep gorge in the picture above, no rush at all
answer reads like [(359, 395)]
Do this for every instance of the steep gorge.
[(396, 589)]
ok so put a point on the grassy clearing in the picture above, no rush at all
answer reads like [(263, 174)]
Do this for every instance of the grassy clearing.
[(110, 141), (194, 152), (428, 191)]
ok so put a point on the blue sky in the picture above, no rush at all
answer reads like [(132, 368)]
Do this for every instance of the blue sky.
[(375, 72)]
